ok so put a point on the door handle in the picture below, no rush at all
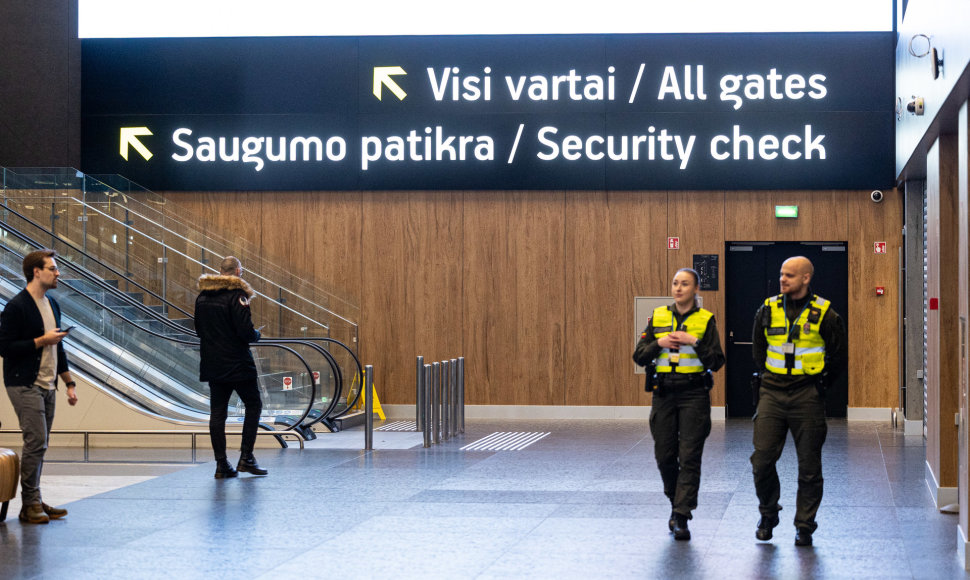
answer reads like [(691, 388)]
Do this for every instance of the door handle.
[(743, 343)]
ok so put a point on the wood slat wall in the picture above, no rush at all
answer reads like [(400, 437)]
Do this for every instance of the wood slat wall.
[(536, 288), (942, 370)]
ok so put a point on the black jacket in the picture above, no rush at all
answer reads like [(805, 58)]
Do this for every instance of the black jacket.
[(20, 324), (225, 327)]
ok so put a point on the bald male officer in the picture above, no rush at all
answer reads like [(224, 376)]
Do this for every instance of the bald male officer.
[(799, 350)]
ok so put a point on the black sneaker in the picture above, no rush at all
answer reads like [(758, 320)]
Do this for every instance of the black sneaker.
[(680, 527), (224, 469), (765, 525), (247, 464)]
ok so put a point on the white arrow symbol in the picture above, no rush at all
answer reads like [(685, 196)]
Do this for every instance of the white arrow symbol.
[(129, 136), (382, 77)]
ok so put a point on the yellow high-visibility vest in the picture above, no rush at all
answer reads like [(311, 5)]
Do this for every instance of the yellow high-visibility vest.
[(807, 347), (686, 357)]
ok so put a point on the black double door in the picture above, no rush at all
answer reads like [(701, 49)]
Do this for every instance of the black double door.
[(752, 271)]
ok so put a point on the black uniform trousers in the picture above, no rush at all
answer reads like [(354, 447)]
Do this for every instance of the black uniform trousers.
[(219, 395), (802, 411), (680, 421)]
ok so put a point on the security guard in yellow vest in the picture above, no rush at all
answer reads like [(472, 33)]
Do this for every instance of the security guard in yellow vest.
[(680, 348), (798, 345)]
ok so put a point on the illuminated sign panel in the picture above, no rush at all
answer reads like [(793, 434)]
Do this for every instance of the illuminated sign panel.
[(709, 111), (238, 18)]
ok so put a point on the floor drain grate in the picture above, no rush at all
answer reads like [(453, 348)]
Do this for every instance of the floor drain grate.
[(505, 441), (398, 426)]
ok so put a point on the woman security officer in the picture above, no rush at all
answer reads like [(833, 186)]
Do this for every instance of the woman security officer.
[(680, 349)]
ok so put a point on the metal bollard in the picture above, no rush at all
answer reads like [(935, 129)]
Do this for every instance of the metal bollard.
[(453, 396), (436, 401), (426, 404), (461, 394), (419, 395), (368, 407), (445, 400)]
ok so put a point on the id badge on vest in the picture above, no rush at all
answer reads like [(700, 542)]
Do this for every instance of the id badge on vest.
[(675, 357), (788, 348)]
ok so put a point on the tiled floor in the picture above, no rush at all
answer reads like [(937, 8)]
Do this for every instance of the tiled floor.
[(582, 502)]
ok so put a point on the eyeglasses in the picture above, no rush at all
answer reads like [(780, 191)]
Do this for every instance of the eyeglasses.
[(52, 268)]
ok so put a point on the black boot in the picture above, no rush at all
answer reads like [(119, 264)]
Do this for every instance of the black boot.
[(681, 532), (247, 464), (224, 469)]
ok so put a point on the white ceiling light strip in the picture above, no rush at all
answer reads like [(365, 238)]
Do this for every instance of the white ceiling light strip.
[(237, 18)]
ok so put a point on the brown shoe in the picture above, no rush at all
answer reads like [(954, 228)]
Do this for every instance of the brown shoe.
[(33, 514), (54, 513)]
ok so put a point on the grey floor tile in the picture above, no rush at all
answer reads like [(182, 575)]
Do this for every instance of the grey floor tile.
[(585, 502)]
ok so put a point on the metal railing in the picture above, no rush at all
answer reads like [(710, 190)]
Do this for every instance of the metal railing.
[(193, 433)]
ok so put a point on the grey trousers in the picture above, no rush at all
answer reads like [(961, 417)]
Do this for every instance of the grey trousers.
[(35, 411)]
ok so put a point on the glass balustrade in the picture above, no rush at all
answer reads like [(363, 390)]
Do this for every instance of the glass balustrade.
[(155, 248), (151, 360)]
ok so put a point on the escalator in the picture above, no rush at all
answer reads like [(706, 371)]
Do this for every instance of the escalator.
[(151, 261), (150, 362)]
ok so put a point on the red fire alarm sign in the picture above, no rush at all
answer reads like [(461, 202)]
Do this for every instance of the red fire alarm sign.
[(879, 247), (673, 243)]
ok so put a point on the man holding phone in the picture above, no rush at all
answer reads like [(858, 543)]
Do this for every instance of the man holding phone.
[(33, 357)]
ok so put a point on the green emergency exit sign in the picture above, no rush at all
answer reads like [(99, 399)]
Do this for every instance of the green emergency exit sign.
[(786, 211)]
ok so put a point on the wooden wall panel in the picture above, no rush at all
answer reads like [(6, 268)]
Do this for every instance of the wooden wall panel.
[(612, 256), (514, 277), (874, 320), (535, 288), (697, 218), (387, 313), (750, 216), (942, 372), (434, 276), (963, 446), (932, 376), (949, 312), (333, 235)]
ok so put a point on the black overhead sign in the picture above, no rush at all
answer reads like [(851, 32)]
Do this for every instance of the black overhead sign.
[(685, 111)]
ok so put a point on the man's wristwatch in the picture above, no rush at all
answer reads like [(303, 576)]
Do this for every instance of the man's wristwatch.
[(70, 384)]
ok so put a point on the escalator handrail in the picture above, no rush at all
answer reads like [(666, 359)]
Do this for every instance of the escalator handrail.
[(360, 372), (123, 296), (187, 257), (261, 344), (162, 244), (84, 253), (132, 200), (116, 292)]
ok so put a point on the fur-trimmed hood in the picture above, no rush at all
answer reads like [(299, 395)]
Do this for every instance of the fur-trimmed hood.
[(224, 282)]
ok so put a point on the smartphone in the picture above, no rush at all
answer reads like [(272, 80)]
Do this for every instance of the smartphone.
[(68, 329)]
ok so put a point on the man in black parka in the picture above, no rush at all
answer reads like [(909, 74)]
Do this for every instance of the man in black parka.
[(225, 327)]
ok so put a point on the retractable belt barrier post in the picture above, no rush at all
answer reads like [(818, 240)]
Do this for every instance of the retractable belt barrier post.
[(419, 416), (445, 400), (369, 407), (426, 403), (440, 399)]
